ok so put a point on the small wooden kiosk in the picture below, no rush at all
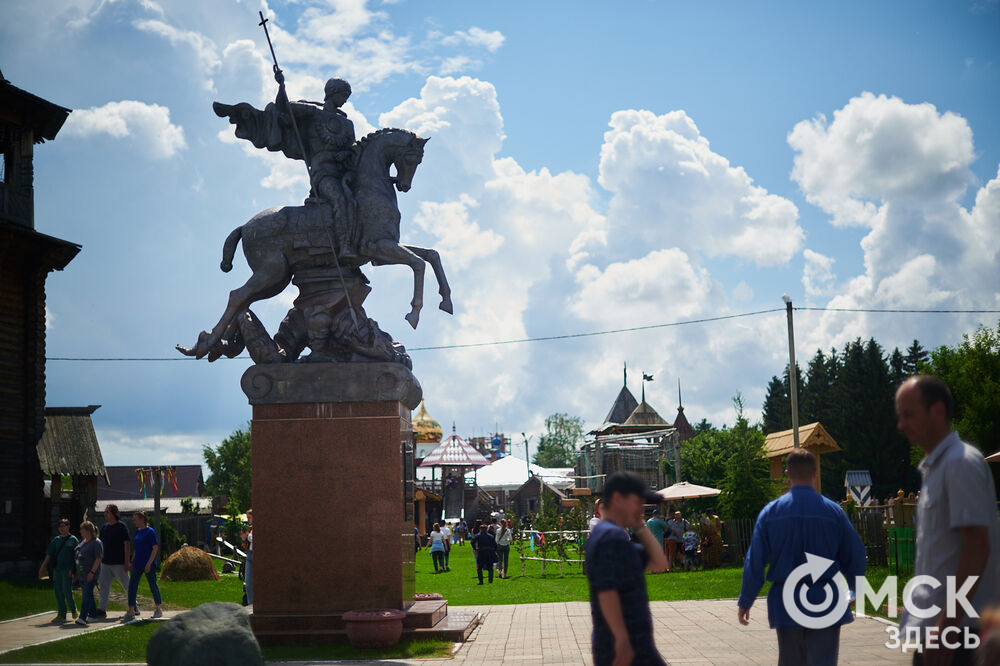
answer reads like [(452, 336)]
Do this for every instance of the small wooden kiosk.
[(813, 437)]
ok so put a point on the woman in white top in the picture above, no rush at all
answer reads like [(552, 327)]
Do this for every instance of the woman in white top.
[(437, 548), (504, 536)]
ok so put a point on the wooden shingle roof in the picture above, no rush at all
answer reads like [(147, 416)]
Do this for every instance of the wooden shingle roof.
[(644, 415), (69, 444), (813, 437)]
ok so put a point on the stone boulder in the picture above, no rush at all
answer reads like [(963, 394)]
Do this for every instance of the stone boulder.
[(189, 563), (213, 634)]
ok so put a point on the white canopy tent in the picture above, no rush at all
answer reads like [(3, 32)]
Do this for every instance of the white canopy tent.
[(510, 473)]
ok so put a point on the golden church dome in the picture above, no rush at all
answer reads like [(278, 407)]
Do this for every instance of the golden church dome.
[(428, 430)]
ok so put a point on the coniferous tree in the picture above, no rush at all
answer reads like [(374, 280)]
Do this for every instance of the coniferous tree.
[(702, 426), (816, 401), (916, 356), (897, 367), (777, 408)]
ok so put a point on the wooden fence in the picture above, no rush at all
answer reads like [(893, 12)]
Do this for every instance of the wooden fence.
[(736, 535), (885, 529)]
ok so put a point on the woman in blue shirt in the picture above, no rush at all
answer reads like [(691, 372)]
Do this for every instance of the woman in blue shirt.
[(145, 549)]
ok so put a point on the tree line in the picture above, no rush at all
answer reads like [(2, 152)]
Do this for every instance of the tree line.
[(851, 392)]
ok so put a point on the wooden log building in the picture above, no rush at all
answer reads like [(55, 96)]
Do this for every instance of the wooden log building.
[(26, 258)]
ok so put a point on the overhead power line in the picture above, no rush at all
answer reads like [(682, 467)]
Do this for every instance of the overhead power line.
[(568, 336)]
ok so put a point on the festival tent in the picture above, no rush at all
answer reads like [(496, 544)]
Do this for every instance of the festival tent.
[(685, 490), (510, 472)]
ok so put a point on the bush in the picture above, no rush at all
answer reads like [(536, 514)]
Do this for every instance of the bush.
[(189, 563)]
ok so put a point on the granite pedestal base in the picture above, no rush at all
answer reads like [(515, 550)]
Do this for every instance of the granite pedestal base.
[(332, 448), (333, 531)]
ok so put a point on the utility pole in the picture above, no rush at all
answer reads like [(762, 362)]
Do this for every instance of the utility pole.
[(793, 379)]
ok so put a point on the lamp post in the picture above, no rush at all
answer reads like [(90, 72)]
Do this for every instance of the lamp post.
[(792, 371), (527, 453)]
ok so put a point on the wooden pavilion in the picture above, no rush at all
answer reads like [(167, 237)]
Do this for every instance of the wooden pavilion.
[(69, 447), (813, 437)]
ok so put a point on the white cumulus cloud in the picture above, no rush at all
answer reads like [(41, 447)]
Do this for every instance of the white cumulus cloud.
[(817, 274), (879, 148), (668, 183), (901, 170), (147, 126)]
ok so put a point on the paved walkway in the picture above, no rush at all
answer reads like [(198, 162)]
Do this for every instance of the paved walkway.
[(687, 632), (37, 629)]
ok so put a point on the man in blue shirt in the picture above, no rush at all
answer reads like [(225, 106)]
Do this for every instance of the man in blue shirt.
[(619, 604), (799, 522)]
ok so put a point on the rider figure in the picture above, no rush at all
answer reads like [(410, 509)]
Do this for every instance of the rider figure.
[(328, 135)]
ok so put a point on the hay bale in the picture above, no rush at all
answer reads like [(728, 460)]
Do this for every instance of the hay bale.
[(189, 563)]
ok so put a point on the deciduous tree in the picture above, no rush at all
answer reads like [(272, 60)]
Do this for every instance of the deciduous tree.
[(558, 446), (229, 464)]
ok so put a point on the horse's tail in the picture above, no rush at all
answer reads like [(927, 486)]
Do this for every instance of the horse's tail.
[(229, 249)]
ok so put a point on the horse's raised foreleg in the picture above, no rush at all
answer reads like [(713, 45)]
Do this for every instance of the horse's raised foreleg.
[(269, 279), (432, 257), (391, 252)]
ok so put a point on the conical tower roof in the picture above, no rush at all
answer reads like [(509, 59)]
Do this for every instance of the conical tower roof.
[(428, 430), (622, 408), (684, 429)]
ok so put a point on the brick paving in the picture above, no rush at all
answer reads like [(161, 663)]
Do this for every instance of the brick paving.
[(687, 632)]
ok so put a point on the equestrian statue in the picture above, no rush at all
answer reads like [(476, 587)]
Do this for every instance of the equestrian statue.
[(350, 218)]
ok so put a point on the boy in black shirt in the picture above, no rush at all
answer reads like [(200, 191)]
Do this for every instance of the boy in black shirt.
[(117, 554), (619, 604)]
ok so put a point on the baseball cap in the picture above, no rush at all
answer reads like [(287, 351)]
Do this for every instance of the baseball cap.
[(627, 483)]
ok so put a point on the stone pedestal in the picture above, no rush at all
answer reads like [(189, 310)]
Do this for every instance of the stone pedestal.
[(333, 514)]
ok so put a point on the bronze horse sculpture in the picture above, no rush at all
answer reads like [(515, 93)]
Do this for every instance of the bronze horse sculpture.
[(280, 242)]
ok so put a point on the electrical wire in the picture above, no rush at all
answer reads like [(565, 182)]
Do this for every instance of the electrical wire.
[(569, 336)]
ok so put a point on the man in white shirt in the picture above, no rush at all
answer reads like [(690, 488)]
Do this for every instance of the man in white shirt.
[(958, 532), (446, 531)]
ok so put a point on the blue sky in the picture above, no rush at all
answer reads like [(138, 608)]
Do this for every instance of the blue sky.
[(593, 167)]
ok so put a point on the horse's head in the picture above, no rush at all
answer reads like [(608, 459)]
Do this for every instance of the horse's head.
[(394, 147), (406, 161)]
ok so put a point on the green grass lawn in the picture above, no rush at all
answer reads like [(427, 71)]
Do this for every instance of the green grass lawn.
[(21, 597), (127, 643), (459, 586)]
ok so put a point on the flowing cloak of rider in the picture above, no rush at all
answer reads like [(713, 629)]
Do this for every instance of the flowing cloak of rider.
[(328, 137)]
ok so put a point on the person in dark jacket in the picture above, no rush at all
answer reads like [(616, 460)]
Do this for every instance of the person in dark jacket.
[(486, 552)]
